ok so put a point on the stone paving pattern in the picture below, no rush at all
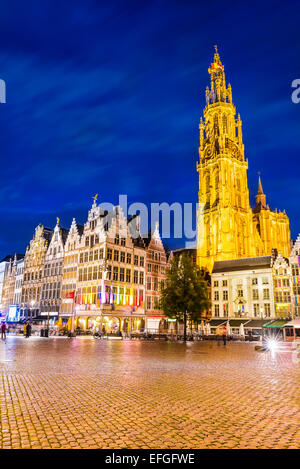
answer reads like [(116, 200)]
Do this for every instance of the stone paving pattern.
[(87, 393)]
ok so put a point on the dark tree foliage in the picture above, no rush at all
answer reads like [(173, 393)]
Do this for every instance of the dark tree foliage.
[(185, 296)]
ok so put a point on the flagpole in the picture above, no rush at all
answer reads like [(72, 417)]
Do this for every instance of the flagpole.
[(73, 315)]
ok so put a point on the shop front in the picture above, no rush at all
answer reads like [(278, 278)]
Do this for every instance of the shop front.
[(109, 322), (291, 331), (274, 329), (154, 323)]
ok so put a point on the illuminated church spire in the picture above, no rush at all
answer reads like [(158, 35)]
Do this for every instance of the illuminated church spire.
[(260, 196), (218, 91), (228, 228), (221, 130)]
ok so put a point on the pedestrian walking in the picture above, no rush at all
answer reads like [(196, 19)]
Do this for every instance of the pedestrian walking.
[(224, 334), (3, 331), (28, 330)]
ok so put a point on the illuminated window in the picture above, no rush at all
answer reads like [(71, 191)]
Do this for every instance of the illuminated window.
[(128, 275), (116, 255), (266, 294), (255, 294), (122, 274), (267, 309), (256, 310), (115, 273)]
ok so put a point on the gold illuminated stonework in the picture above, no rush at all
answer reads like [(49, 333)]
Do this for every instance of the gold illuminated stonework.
[(228, 228)]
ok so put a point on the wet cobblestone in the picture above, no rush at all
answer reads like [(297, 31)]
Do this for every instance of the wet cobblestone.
[(86, 393)]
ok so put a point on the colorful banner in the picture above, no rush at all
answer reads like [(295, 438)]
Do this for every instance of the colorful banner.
[(70, 294), (296, 279)]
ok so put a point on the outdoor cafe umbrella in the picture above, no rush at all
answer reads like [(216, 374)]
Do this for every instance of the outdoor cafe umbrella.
[(208, 331), (228, 329), (69, 323), (59, 322), (242, 330)]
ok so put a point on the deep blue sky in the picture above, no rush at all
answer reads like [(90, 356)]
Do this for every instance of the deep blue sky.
[(106, 97)]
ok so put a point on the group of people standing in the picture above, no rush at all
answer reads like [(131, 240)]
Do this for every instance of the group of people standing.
[(3, 331), (27, 330), (222, 332)]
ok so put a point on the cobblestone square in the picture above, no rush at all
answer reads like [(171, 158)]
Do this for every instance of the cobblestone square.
[(87, 393)]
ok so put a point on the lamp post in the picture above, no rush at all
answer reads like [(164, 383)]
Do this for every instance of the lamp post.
[(32, 305), (48, 319), (105, 271), (261, 315), (73, 315)]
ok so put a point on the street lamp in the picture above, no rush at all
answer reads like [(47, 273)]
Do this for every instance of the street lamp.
[(32, 305), (261, 315), (47, 333)]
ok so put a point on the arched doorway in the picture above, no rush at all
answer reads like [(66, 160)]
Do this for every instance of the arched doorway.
[(142, 325), (126, 325), (111, 325), (163, 326)]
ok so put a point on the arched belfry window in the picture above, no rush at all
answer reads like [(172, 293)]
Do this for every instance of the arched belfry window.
[(224, 122), (217, 180), (207, 183), (216, 124), (258, 228)]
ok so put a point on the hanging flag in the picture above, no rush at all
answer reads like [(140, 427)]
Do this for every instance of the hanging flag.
[(70, 294)]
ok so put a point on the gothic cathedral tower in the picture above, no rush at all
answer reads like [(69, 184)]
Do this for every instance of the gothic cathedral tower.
[(227, 226)]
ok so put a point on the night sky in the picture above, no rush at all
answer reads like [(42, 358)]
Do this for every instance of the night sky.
[(106, 97)]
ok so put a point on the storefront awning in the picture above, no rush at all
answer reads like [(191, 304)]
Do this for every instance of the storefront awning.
[(256, 323), (276, 324), (217, 322), (238, 322), (295, 323), (232, 322)]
